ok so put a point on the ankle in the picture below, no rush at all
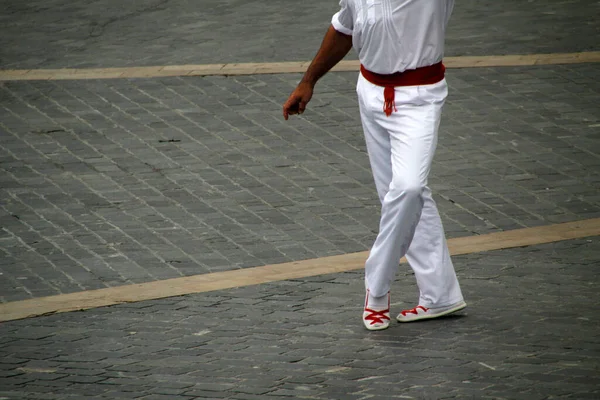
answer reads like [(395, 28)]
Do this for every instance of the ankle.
[(378, 303)]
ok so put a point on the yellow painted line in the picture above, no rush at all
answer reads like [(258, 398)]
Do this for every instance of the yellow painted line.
[(282, 67), (278, 272)]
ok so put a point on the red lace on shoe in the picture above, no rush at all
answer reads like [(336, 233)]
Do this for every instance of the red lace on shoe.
[(414, 310), (376, 317)]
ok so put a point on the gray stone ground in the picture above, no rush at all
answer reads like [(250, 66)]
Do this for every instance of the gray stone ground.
[(112, 182), (111, 33), (530, 332)]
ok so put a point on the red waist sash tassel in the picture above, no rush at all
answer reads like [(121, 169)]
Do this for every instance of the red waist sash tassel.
[(411, 77)]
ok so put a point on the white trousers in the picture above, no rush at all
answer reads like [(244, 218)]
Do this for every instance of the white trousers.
[(401, 149)]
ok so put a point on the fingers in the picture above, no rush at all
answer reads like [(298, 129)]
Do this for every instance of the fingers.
[(291, 107), (287, 111), (296, 103), (301, 107)]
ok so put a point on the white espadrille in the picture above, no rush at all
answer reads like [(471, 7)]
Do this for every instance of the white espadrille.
[(421, 312), (376, 318)]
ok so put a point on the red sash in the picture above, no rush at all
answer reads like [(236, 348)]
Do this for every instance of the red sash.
[(412, 77)]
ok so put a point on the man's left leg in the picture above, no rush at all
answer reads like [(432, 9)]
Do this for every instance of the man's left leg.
[(428, 256)]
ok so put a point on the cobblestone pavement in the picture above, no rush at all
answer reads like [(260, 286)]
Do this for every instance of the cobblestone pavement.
[(112, 182), (530, 332), (112, 33), (125, 181)]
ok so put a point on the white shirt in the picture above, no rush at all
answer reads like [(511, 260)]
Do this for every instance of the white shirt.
[(395, 35)]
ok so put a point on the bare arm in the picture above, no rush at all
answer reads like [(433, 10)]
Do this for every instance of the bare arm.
[(333, 49)]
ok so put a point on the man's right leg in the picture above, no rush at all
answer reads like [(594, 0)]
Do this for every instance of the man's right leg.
[(376, 313)]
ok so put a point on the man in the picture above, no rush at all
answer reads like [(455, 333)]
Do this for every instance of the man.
[(401, 91)]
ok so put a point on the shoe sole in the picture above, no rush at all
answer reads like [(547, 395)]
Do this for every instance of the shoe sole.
[(441, 314), (380, 328)]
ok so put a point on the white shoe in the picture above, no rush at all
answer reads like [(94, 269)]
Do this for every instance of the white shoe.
[(420, 312), (376, 318)]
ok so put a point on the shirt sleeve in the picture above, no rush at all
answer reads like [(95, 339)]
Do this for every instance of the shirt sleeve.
[(343, 20)]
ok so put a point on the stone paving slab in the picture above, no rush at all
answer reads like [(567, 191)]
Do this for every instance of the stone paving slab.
[(530, 332), (110, 33), (203, 283), (112, 182), (288, 67)]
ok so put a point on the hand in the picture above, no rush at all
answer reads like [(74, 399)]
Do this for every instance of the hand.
[(296, 103)]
